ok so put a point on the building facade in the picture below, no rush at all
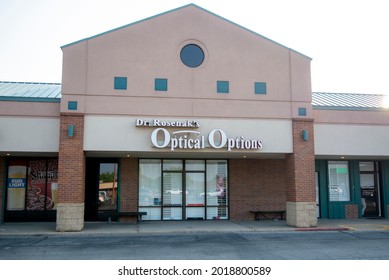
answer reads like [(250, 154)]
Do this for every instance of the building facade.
[(187, 115)]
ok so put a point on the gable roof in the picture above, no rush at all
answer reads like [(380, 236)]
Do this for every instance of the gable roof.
[(30, 92), (177, 9)]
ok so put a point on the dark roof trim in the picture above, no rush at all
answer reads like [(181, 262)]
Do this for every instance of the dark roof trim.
[(30, 99)]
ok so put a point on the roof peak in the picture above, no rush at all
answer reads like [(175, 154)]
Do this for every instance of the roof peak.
[(181, 8)]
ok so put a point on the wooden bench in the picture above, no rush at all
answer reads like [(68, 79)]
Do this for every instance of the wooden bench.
[(269, 214), (111, 214)]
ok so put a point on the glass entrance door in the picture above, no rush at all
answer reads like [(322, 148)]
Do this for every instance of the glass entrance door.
[(101, 187), (172, 196), (195, 199), (370, 193)]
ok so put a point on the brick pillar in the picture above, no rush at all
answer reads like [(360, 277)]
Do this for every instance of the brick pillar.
[(300, 177), (71, 175), (2, 188), (129, 187)]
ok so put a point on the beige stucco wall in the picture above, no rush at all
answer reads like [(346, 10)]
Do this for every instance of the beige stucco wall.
[(151, 49), (29, 134), (34, 109), (378, 117), (29, 127), (351, 134), (351, 140)]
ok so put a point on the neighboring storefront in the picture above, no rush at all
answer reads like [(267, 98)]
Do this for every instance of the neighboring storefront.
[(205, 120), (351, 150)]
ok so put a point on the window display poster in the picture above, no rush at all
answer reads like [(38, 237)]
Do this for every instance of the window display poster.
[(16, 193), (36, 190), (42, 178)]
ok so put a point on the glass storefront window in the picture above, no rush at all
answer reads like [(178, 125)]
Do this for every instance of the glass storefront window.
[(149, 182), (172, 213), (168, 191), (217, 182), (195, 213), (153, 213), (172, 165), (338, 178), (17, 182), (36, 189), (32, 184), (195, 165), (217, 213), (366, 166)]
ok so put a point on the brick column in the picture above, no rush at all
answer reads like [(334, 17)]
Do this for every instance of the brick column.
[(71, 175), (2, 188), (129, 187), (300, 177)]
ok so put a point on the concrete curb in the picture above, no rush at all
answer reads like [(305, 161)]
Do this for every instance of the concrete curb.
[(323, 229)]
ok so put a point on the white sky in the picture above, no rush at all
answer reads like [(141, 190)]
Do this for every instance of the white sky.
[(348, 40)]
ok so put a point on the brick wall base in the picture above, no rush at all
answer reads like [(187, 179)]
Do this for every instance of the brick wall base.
[(70, 216), (301, 214), (352, 211)]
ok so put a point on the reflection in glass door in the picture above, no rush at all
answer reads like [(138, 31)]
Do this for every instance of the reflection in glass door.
[(108, 186), (370, 194)]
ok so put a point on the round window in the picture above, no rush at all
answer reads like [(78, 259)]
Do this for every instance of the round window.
[(192, 55)]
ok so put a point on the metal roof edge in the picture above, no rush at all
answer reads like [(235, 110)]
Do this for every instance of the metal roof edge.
[(34, 83), (348, 93), (344, 108), (30, 99), (179, 8)]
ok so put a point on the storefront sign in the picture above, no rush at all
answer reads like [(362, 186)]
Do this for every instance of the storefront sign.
[(160, 123), (188, 139)]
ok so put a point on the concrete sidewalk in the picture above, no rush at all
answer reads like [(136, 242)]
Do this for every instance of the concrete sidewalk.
[(179, 227)]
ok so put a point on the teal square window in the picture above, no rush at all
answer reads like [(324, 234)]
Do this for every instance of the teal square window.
[(223, 86), (260, 88), (302, 112), (160, 84), (120, 83), (72, 105)]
